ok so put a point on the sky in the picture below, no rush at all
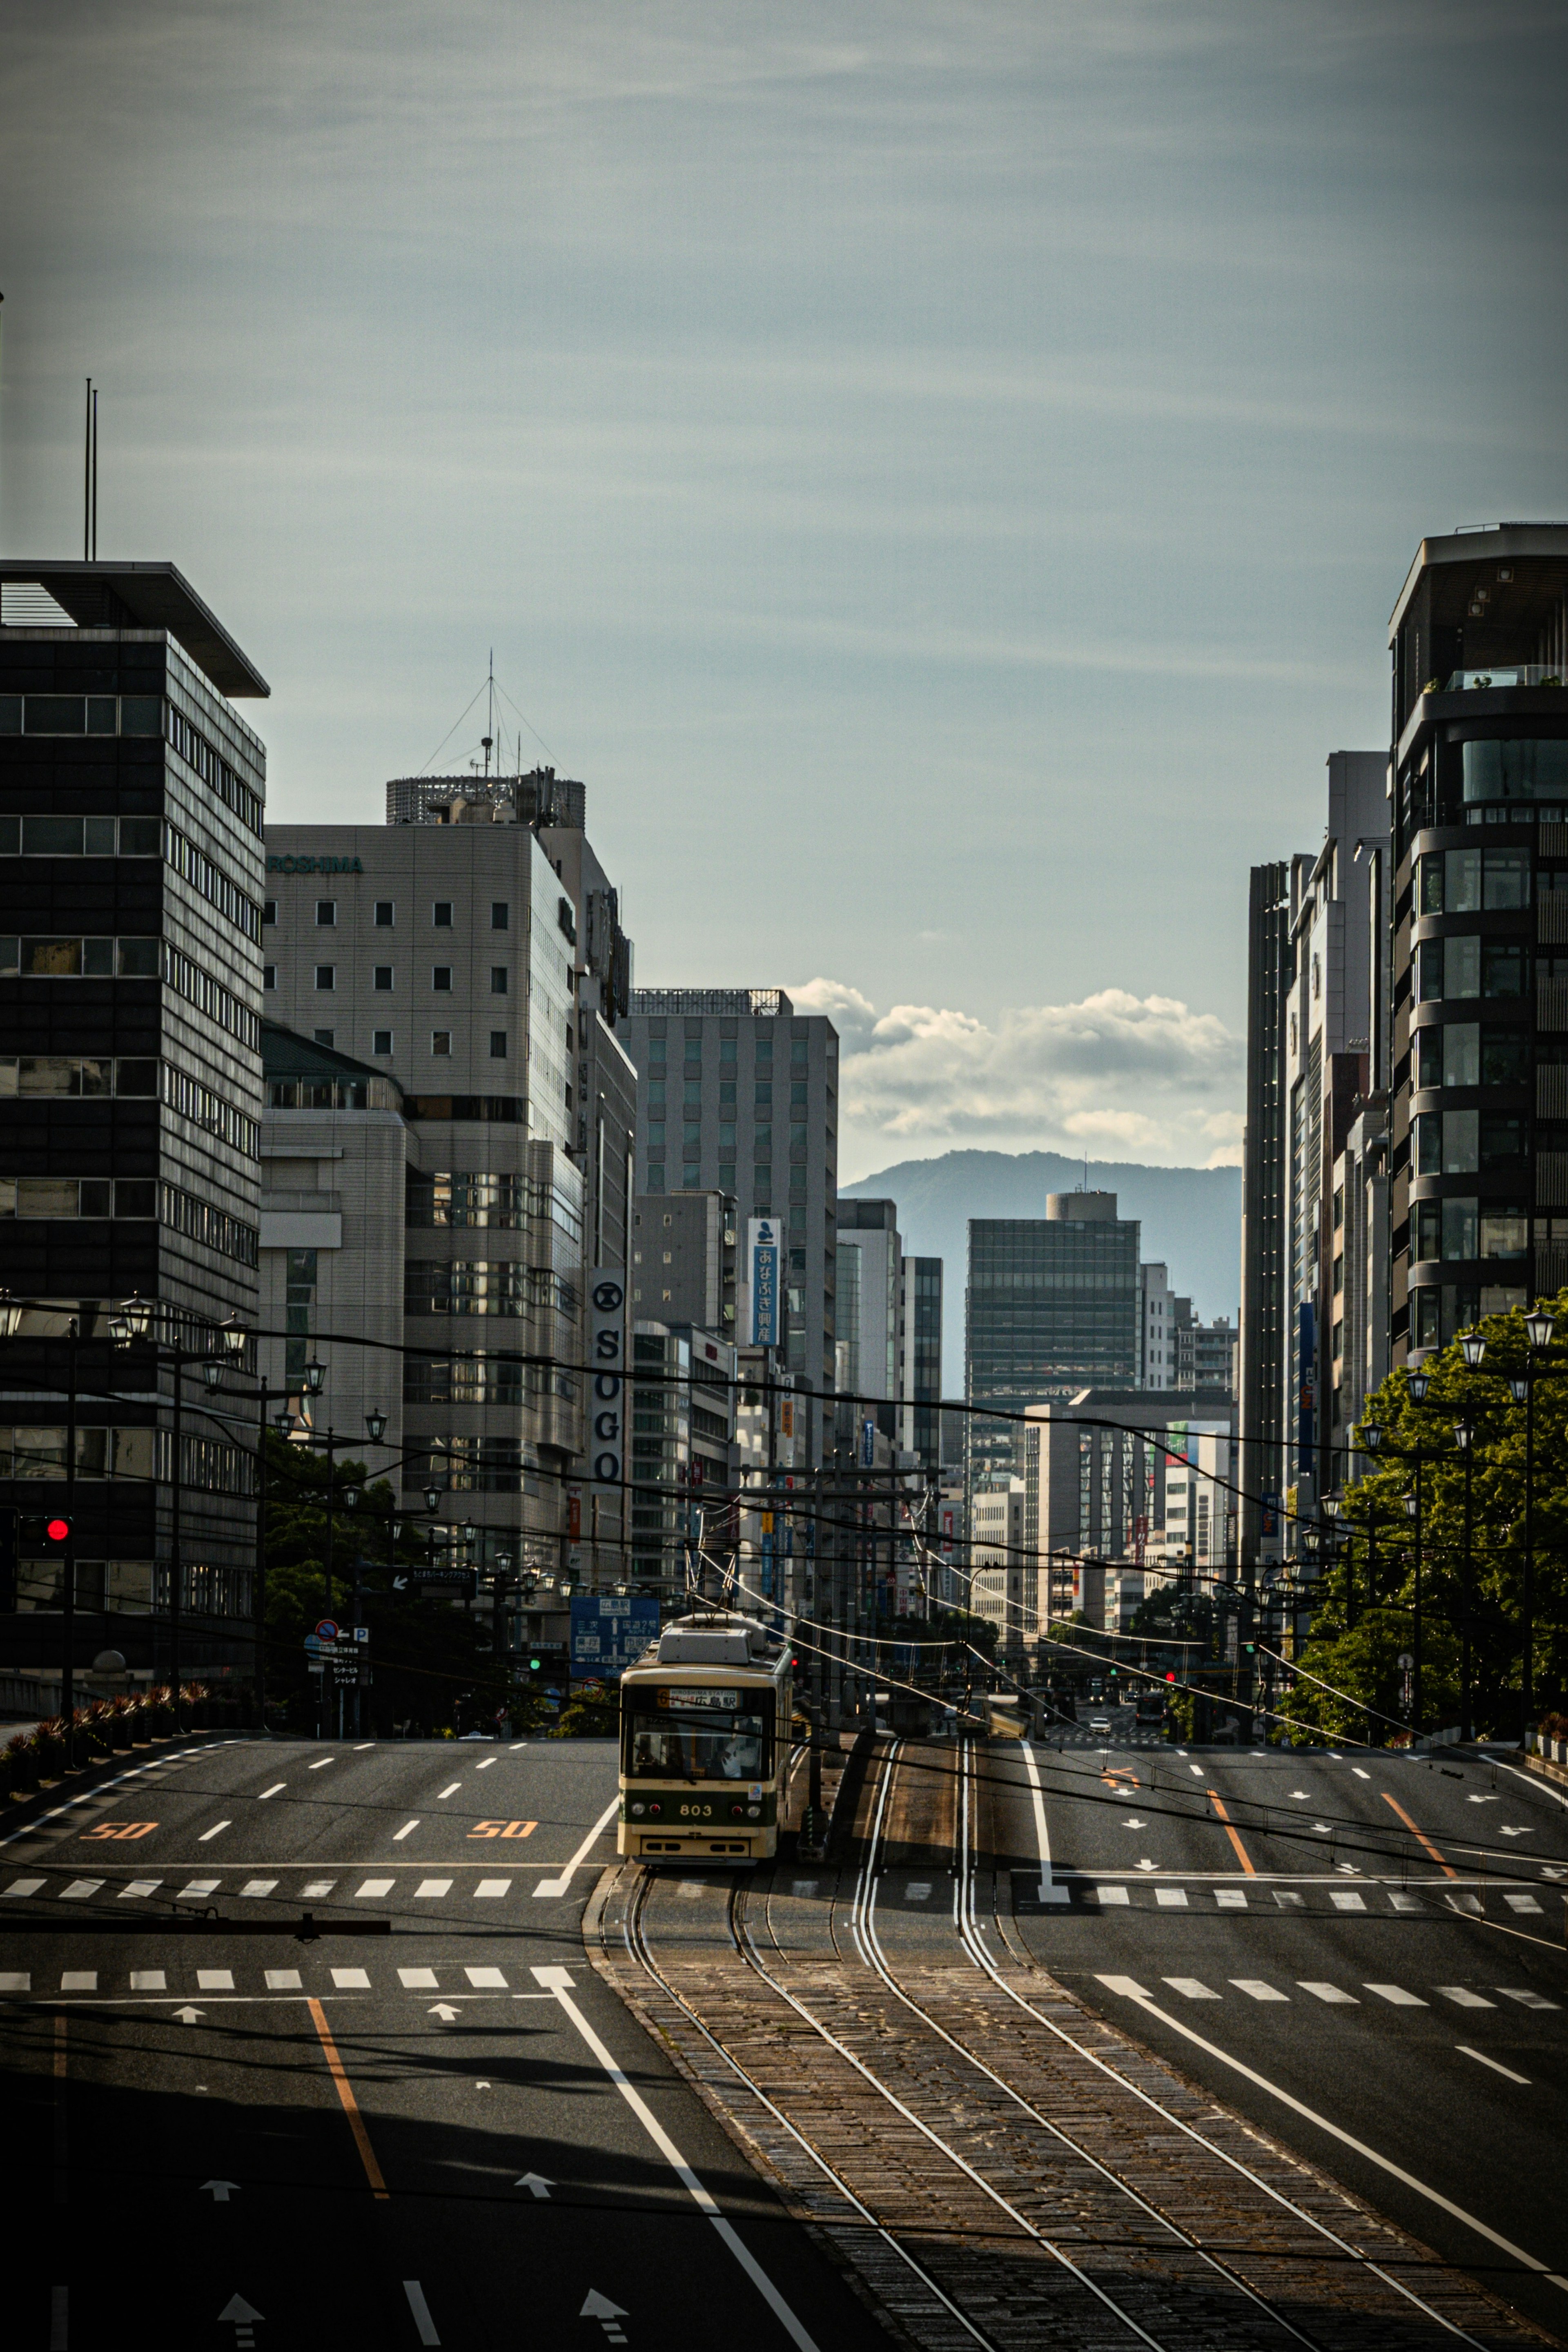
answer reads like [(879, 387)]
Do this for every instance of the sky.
[(939, 473)]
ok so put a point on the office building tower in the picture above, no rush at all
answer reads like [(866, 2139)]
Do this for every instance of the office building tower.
[(446, 951), (1339, 933), (685, 1465), (684, 1259), (334, 1155), (1360, 1279), (1156, 1328), (920, 1360), (1264, 1320), (739, 1094), (1205, 1352), (1479, 1131), (1004, 1583), (1051, 1307), (130, 859), (868, 1285)]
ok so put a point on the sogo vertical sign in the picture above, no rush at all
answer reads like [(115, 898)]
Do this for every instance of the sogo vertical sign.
[(606, 1362)]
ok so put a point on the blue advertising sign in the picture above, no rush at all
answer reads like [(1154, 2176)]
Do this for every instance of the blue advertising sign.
[(764, 1240), (867, 1445), (1306, 1390), (610, 1631)]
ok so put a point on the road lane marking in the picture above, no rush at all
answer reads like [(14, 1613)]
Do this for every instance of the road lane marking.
[(1257, 1990), (1134, 1991), (1193, 1988), (207, 1835), (1110, 1894), (1171, 1898), (320, 1763), (1241, 1854), (1524, 1996), (346, 2097), (363, 1745), (1345, 1898), (1048, 1890), (559, 1982), (375, 1886), (140, 1886), (1396, 1996), (79, 1889), (1482, 2059), (1419, 1834), (148, 1980), (16, 1980), (485, 1766), (1328, 1992), (398, 1836), (317, 1888), (1230, 1898), (24, 1887), (1359, 1773), (283, 1980), (276, 1790), (504, 1829), (255, 1886), (485, 1980), (491, 1889), (430, 1886), (419, 1980), (562, 1885), (351, 1979), (214, 1979), (195, 1888), (1521, 1902), (421, 2311), (449, 1792), (1464, 1997), (79, 1980)]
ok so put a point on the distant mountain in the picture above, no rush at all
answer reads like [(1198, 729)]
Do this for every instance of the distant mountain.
[(1191, 1219)]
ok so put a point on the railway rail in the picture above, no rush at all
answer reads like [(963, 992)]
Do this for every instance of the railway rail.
[(993, 2165)]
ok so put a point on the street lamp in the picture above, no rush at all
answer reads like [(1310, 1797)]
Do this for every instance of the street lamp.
[(315, 1377), (234, 1334), (1417, 1383), (375, 1422), (1539, 1326), (432, 1500), (283, 1422), (1472, 1347), (1464, 1431)]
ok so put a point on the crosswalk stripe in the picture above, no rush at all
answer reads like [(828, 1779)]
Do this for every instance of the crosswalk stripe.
[(1345, 1898), (1525, 1996), (214, 1979), (1327, 1991), (79, 1889), (1230, 1898), (1172, 1898), (418, 1980), (352, 1980), (283, 1980), (1256, 1987), (24, 1887), (485, 1980), (195, 1888), (1464, 1997), (140, 1886), (79, 1980), (428, 1887), (147, 1980), (491, 1887), (256, 1886), (16, 1980), (1397, 1995), (1193, 1987), (1521, 1902), (375, 1886)]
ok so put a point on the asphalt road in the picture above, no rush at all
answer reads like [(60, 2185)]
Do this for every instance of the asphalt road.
[(452, 2133), (1363, 1953)]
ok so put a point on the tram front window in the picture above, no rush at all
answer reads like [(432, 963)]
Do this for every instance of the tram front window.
[(677, 1743)]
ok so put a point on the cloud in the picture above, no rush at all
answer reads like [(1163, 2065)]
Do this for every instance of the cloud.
[(1113, 1077)]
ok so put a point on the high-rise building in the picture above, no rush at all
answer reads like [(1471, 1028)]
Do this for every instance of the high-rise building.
[(130, 859), (1262, 1252), (683, 1259), (920, 1360), (1052, 1307), (1339, 933), (1156, 1327), (739, 1094), (446, 949), (1479, 1132)]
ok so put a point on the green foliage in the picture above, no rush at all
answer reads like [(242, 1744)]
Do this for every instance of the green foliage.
[(432, 1662), (1363, 1609)]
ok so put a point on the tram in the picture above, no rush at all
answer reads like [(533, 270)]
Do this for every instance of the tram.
[(705, 1736)]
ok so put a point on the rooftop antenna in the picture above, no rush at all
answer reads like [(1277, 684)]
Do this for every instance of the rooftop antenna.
[(95, 475), (87, 478), (490, 739)]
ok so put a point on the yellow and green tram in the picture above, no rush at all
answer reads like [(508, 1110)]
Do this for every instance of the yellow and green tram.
[(705, 1738)]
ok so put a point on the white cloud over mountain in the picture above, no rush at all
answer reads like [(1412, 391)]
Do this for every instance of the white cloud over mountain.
[(1113, 1077)]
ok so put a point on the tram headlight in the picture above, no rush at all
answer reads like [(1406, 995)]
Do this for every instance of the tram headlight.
[(753, 1812), (639, 1809)]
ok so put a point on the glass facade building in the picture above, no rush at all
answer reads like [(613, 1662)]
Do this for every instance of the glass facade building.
[(1051, 1307)]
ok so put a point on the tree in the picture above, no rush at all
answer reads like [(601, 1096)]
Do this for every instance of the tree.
[(1363, 1608), (432, 1662)]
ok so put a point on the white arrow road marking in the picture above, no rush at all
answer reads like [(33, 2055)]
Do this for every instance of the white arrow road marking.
[(1134, 1821), (560, 1983), (1519, 1833), (220, 2190), (608, 2314), (535, 2183), (415, 2294), (562, 1885), (242, 2318), (1048, 1891), (188, 2016), (444, 2011)]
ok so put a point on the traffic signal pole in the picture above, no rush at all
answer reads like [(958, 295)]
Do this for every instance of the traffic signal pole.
[(68, 1558)]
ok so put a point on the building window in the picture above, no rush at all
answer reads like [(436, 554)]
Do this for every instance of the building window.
[(326, 913), (326, 975), (324, 1037), (498, 1045), (498, 979), (383, 1042), (441, 978), (268, 975), (384, 978), (385, 913), (500, 915), (268, 912), (440, 1041), (441, 915)]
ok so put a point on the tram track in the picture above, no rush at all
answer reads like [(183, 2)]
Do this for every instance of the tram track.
[(1031, 2177)]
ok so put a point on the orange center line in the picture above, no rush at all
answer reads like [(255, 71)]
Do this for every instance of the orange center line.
[(1418, 1833), (1241, 1854), (349, 2104)]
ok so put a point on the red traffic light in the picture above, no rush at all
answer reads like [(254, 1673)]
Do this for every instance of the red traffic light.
[(56, 1530), (1170, 1678)]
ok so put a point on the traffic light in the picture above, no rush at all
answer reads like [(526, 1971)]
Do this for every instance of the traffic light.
[(56, 1534), (1170, 1677)]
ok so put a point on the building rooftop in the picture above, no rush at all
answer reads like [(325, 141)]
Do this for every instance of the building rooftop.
[(742, 1003), (1464, 558), (131, 596)]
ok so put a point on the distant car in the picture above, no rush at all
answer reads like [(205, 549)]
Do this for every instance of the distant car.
[(479, 1735), (1099, 1722)]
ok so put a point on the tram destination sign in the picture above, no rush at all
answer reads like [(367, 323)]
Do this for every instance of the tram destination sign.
[(717, 1702)]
